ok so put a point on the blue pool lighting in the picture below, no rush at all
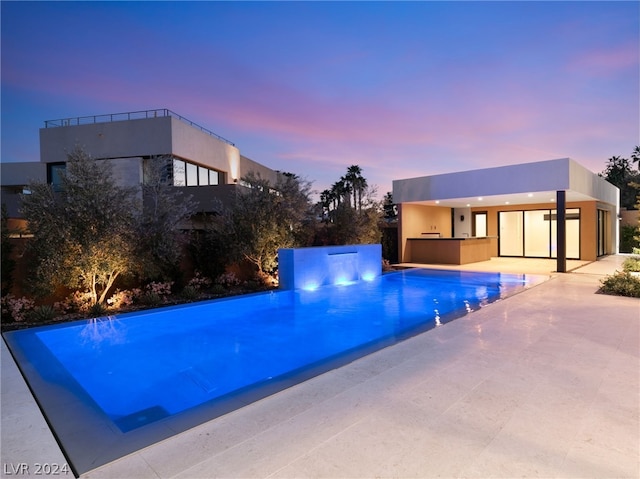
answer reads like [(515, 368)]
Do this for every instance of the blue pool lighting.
[(111, 386)]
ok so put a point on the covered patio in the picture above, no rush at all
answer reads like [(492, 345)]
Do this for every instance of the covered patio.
[(554, 209)]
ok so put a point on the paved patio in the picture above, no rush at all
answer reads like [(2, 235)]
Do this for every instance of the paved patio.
[(542, 384)]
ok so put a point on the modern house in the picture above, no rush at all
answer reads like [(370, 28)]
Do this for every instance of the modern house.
[(210, 166), (548, 209)]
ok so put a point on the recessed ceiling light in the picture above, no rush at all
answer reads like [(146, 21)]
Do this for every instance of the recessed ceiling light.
[(437, 202), (530, 195), (480, 198), (468, 204), (507, 202)]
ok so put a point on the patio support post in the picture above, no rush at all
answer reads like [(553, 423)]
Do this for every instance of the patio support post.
[(561, 231)]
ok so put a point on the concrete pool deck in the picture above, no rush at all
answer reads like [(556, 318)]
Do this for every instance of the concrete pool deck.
[(542, 384)]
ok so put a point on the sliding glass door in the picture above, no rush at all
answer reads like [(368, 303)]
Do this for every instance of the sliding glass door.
[(533, 233)]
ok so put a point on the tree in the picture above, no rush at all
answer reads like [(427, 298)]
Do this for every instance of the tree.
[(635, 156), (618, 171), (8, 263), (390, 208), (267, 217), (85, 234), (161, 225), (357, 183), (346, 224)]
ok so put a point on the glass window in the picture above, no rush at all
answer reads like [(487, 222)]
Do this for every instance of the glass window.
[(179, 178), (511, 229), (203, 176), (213, 177), (192, 175), (479, 225), (536, 233), (54, 175), (572, 231)]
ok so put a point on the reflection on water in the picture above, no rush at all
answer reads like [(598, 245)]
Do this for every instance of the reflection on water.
[(107, 330)]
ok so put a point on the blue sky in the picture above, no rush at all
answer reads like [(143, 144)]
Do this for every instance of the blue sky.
[(401, 89)]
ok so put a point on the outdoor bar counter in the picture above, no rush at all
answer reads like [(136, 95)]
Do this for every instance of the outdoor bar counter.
[(435, 250)]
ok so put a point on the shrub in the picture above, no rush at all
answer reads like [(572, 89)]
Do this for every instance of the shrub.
[(98, 309), (153, 293), (16, 308), (43, 313), (632, 264), (622, 283), (199, 282), (190, 293), (150, 298), (228, 279), (161, 289), (121, 299), (78, 302), (218, 289), (628, 241)]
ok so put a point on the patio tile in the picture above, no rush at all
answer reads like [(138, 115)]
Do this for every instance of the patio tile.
[(543, 384)]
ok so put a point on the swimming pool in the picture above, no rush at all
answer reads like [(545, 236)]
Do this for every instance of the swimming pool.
[(110, 386)]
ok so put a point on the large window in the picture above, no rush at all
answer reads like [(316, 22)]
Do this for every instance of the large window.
[(195, 175), (533, 233), (511, 231), (54, 171), (183, 173)]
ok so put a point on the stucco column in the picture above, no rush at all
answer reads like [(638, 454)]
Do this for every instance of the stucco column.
[(561, 231), (400, 235)]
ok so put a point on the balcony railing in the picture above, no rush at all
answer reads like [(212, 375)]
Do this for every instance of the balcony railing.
[(131, 115)]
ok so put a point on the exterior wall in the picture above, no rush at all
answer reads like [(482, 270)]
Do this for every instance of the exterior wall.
[(118, 139), (247, 165), (311, 268), (528, 177), (14, 177), (199, 147), (146, 137), (127, 172)]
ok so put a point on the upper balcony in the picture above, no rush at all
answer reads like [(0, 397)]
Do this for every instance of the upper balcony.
[(131, 115)]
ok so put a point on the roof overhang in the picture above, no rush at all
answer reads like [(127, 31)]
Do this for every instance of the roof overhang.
[(527, 183)]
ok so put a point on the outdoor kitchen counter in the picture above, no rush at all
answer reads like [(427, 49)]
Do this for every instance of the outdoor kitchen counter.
[(435, 250)]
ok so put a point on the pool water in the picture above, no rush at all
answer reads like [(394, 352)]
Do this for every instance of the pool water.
[(141, 368)]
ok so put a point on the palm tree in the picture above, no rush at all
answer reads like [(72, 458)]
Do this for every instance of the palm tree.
[(326, 198), (635, 156), (358, 183)]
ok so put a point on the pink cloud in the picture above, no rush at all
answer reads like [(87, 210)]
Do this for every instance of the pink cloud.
[(607, 62)]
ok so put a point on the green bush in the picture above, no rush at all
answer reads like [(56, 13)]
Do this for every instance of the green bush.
[(97, 310), (190, 293), (628, 241), (43, 313), (150, 298), (622, 283), (218, 289), (632, 264)]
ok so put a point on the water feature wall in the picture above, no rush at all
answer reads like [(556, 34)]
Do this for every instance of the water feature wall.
[(310, 268)]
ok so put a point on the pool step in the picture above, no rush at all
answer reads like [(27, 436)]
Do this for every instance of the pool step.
[(200, 379)]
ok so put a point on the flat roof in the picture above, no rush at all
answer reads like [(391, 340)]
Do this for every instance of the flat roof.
[(525, 183)]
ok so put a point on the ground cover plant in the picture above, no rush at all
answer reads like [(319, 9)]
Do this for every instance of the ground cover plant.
[(625, 282)]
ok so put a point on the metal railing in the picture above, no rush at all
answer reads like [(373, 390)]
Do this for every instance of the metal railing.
[(131, 115)]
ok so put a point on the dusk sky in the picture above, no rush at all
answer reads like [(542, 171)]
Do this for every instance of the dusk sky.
[(401, 89)]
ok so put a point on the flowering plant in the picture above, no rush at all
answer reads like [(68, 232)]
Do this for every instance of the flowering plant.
[(199, 282), (18, 308), (228, 279)]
